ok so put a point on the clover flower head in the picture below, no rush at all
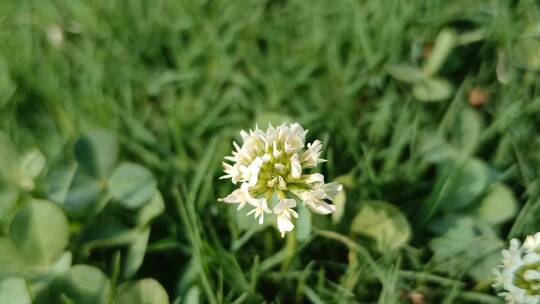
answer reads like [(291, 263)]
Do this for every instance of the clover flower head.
[(519, 273), (271, 167)]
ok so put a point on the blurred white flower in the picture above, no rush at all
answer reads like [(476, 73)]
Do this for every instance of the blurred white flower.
[(519, 273), (55, 35), (271, 168)]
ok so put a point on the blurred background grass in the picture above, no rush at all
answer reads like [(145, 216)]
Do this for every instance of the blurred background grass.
[(176, 80)]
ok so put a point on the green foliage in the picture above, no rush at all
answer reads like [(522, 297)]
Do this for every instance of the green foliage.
[(96, 153), (463, 183), (40, 232), (132, 185), (407, 73), (115, 116), (11, 262), (7, 85), (467, 248), (304, 223), (384, 223), (498, 206), (145, 291), (445, 41), (32, 164), (432, 89), (525, 53), (15, 291), (81, 284)]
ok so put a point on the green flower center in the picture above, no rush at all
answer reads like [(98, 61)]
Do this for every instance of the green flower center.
[(532, 287)]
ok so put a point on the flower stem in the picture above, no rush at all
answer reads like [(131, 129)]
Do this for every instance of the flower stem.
[(290, 247)]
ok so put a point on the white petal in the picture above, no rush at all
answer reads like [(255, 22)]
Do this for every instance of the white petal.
[(234, 197), (284, 205), (244, 135), (310, 157), (315, 178), (296, 167), (332, 189), (282, 185), (271, 183), (289, 203), (236, 146), (284, 223), (257, 202), (322, 208), (253, 171), (230, 158), (275, 150), (266, 158)]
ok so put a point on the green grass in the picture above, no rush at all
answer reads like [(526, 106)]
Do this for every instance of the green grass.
[(177, 81)]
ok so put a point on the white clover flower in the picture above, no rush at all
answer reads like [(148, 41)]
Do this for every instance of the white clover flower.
[(519, 274), (271, 169)]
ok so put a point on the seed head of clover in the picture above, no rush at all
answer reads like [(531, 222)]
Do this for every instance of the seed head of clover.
[(271, 169), (518, 277)]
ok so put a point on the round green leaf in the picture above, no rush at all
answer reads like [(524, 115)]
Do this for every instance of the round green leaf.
[(467, 246), (454, 240), (14, 291), (83, 192), (441, 49), (432, 89), (526, 53), (193, 295), (145, 291), (151, 210), (107, 232), (135, 253), (482, 271), (463, 183), (499, 205), (74, 190), (384, 223), (466, 131), (59, 266), (434, 149), (59, 181), (40, 231), (96, 153), (82, 284), (132, 185), (8, 207), (406, 73), (11, 263), (32, 163)]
